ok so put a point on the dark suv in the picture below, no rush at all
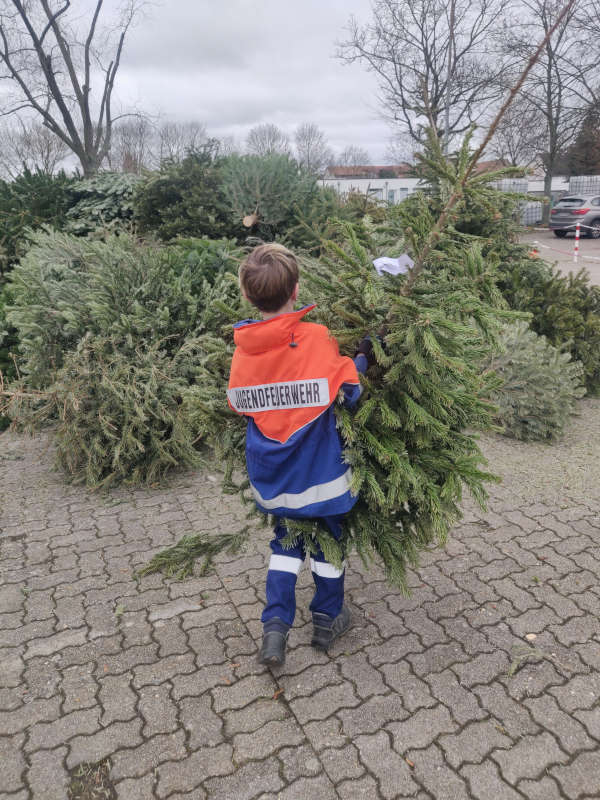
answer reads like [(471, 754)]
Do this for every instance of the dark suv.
[(573, 209)]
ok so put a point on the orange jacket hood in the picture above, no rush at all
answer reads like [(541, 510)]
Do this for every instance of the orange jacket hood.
[(285, 372)]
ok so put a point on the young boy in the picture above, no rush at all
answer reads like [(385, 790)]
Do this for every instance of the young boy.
[(285, 377)]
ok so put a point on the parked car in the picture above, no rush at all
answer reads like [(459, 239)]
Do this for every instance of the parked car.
[(573, 209)]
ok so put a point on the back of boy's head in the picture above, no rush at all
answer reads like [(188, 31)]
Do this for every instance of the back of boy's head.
[(268, 276)]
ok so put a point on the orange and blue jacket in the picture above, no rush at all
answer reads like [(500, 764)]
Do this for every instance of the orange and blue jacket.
[(285, 377)]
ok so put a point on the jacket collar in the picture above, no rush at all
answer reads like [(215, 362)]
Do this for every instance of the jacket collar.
[(257, 336)]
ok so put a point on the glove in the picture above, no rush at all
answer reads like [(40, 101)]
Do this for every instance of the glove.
[(365, 346)]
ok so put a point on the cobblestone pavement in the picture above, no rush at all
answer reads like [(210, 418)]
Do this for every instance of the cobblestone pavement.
[(415, 701)]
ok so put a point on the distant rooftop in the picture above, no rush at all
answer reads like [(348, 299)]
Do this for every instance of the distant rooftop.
[(371, 171)]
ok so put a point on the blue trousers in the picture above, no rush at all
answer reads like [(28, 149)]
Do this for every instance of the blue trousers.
[(284, 567)]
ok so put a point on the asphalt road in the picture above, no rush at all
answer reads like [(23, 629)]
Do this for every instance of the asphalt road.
[(560, 251)]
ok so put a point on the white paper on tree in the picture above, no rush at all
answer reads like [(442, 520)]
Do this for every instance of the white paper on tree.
[(395, 266)]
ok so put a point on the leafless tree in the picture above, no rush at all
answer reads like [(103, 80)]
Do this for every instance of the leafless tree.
[(176, 139), (132, 145), (265, 139), (429, 56), (353, 156), (562, 85), (312, 150), (64, 71), (517, 138), (27, 144), (228, 146)]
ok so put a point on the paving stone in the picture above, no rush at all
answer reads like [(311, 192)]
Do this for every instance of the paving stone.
[(266, 740), (42, 677), (414, 692), (163, 670), (204, 727), (371, 715), (304, 788), (135, 788), (13, 761), (474, 742), (127, 659), (366, 679), (299, 762), (447, 608), (582, 691), (342, 764), (324, 702), (390, 769), (34, 713), (529, 757), (364, 788), (47, 776), (581, 776), (253, 716), (208, 616), (485, 782), (435, 775), (171, 639), (245, 783), (591, 720), (482, 669), (511, 714), (421, 728), (544, 789), (394, 649), (577, 631), (137, 761), (243, 692), (569, 732), (117, 698), (437, 658), (103, 743), (157, 709), (326, 733), (196, 682), (310, 680)]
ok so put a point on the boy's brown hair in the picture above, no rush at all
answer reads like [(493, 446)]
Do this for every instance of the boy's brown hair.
[(268, 276)]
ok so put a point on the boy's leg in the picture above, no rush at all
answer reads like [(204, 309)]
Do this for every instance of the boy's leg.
[(284, 567), (280, 608), (330, 617)]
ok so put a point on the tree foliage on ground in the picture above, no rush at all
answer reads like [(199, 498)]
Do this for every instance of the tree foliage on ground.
[(540, 384), (186, 198), (111, 364)]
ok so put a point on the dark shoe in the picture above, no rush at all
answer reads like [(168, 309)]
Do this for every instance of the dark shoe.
[(272, 651), (326, 629)]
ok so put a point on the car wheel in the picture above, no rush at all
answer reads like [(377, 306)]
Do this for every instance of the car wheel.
[(595, 229), (560, 234)]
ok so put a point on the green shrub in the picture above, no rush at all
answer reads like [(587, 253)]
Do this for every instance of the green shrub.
[(32, 200), (106, 200), (185, 198), (540, 384), (136, 292)]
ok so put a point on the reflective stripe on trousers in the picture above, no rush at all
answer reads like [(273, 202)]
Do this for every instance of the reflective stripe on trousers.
[(284, 567)]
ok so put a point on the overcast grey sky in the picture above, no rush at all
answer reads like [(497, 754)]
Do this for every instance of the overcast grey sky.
[(233, 64)]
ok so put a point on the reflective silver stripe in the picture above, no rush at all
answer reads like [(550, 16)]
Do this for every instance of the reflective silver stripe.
[(285, 563), (326, 570), (314, 494)]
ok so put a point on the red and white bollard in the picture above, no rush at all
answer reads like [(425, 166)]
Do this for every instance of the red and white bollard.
[(576, 251)]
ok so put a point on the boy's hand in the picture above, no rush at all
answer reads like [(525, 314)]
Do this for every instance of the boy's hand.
[(365, 346)]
